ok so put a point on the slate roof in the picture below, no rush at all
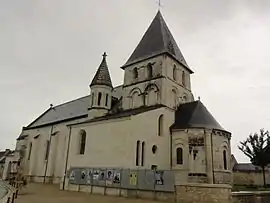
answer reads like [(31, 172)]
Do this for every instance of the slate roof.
[(246, 167), (124, 113), (102, 76), (194, 115), (74, 109), (157, 40)]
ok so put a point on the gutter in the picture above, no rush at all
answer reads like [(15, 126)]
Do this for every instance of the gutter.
[(212, 157), (170, 148)]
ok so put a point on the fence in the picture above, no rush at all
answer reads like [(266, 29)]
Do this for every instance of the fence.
[(158, 180)]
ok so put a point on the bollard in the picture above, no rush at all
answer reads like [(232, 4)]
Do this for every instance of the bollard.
[(8, 200), (16, 194), (12, 200)]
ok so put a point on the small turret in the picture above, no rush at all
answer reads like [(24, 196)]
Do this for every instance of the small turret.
[(101, 91)]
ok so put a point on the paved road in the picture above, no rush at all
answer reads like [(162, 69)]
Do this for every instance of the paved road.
[(39, 193)]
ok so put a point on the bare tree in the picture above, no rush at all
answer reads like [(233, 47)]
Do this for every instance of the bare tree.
[(257, 147)]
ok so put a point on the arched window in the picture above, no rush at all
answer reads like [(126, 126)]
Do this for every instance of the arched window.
[(30, 150), (183, 78), (179, 156), (93, 98), (99, 98), (175, 99), (135, 73), (160, 125), (137, 152), (174, 72), (143, 146), (150, 70), (225, 160), (82, 141), (107, 97)]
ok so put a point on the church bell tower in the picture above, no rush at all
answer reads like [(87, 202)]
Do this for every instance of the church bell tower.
[(101, 91), (156, 72)]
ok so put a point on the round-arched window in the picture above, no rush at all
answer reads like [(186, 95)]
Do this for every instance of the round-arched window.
[(174, 72)]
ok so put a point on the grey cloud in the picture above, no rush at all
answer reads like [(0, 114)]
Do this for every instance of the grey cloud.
[(50, 50)]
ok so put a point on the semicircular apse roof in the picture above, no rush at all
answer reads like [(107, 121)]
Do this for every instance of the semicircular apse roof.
[(195, 115)]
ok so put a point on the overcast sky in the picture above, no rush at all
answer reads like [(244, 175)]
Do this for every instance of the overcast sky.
[(49, 51)]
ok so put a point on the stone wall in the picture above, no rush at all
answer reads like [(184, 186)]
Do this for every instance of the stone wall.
[(252, 197), (250, 178), (203, 193)]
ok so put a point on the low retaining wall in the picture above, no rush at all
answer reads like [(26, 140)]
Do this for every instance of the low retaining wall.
[(129, 193), (203, 193), (251, 197)]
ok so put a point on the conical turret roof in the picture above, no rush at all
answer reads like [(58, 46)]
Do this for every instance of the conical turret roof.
[(157, 40), (102, 76)]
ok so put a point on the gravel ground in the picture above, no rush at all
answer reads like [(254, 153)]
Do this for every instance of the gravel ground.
[(39, 193), (3, 190)]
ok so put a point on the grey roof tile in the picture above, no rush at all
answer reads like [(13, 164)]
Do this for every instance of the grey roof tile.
[(102, 76), (124, 113), (245, 167), (69, 110), (157, 40), (194, 115)]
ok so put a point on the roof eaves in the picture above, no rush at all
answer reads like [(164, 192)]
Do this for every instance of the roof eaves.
[(57, 122), (121, 114), (38, 117)]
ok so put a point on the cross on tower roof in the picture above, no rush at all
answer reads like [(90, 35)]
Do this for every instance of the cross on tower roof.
[(159, 4), (104, 55)]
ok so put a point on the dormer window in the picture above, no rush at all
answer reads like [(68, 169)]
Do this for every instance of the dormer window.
[(135, 73), (174, 72), (150, 70)]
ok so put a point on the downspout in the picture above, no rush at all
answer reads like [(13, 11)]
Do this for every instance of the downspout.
[(212, 157), (170, 148), (65, 173), (47, 161)]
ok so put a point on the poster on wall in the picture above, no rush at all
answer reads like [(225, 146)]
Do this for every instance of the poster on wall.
[(72, 175), (133, 178), (109, 176), (159, 177), (96, 174), (102, 175), (117, 177), (83, 174), (89, 177)]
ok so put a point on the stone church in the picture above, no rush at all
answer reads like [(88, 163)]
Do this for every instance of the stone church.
[(149, 122)]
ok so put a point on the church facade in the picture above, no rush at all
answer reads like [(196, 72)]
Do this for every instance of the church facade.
[(149, 122)]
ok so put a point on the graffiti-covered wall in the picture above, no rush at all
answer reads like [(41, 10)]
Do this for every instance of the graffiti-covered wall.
[(158, 180)]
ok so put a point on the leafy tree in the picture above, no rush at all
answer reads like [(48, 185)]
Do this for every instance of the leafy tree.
[(257, 148)]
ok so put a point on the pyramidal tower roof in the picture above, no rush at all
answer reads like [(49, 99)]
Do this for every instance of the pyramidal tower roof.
[(102, 76), (157, 40)]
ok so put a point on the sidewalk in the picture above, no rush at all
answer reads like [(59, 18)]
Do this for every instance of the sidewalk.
[(39, 193)]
